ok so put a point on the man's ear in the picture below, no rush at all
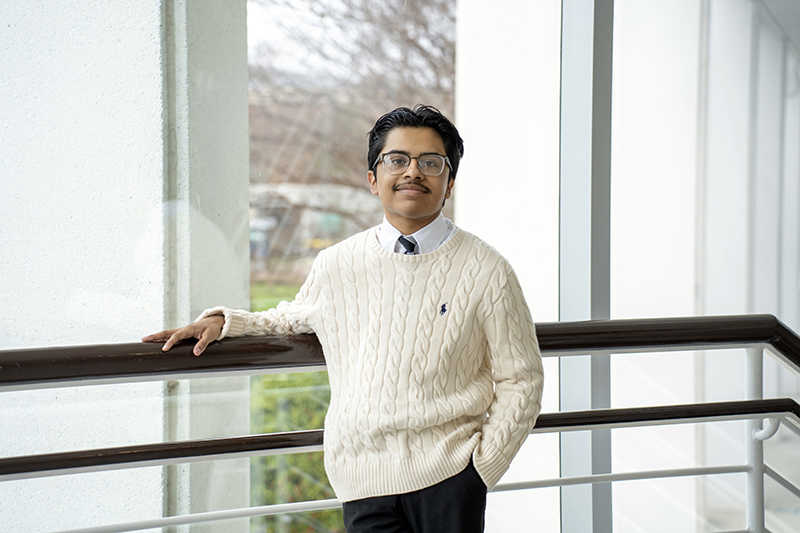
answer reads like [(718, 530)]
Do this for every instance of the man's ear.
[(373, 182), (451, 182)]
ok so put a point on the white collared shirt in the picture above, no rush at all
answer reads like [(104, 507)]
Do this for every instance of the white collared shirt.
[(428, 238)]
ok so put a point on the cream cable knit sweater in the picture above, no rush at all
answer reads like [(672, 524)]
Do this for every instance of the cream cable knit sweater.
[(432, 360)]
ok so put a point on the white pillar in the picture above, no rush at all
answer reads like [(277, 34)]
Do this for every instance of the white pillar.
[(754, 447), (656, 126), (507, 110), (586, 76)]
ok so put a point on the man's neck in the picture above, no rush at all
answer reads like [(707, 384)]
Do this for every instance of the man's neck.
[(428, 238), (409, 226)]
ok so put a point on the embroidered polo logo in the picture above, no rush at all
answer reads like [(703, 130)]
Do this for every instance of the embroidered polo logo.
[(444, 309)]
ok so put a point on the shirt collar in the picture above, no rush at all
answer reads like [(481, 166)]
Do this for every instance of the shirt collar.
[(428, 238)]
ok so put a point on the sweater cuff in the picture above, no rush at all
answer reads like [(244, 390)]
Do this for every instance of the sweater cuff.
[(490, 464), (233, 326)]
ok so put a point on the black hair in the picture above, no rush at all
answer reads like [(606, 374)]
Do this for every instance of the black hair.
[(422, 116)]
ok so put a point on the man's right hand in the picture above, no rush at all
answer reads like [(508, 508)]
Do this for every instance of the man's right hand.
[(205, 331)]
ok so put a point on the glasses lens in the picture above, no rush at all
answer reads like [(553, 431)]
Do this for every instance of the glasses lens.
[(431, 165), (395, 163)]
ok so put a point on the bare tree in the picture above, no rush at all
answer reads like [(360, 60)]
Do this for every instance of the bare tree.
[(321, 77), (339, 64)]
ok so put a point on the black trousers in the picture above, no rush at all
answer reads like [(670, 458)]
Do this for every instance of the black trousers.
[(456, 505)]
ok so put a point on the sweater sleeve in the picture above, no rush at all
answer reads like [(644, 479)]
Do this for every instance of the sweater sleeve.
[(288, 318), (517, 373)]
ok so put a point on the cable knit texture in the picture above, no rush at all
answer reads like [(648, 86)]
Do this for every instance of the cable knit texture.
[(432, 360)]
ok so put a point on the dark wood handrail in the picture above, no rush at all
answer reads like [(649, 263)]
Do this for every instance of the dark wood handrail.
[(131, 361), (208, 449)]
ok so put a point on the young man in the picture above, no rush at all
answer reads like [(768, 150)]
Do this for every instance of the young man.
[(435, 372)]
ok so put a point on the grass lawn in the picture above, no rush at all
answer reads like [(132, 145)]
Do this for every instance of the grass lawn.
[(263, 296)]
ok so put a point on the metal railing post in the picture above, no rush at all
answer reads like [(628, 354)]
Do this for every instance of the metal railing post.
[(754, 448)]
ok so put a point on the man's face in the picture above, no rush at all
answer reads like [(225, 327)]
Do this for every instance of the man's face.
[(411, 200)]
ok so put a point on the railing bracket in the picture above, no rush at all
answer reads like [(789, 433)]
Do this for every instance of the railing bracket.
[(769, 431)]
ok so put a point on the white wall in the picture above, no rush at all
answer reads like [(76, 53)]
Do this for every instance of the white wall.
[(654, 157), (725, 259), (81, 157), (507, 94), (653, 245), (703, 218), (89, 230), (82, 167), (507, 109), (790, 212), (704, 196)]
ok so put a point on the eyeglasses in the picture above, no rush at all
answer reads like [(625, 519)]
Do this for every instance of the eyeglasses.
[(429, 164)]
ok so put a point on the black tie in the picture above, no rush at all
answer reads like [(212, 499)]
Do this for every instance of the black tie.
[(408, 244)]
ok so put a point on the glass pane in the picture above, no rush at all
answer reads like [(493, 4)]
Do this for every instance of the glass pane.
[(666, 509), (782, 506), (780, 380), (289, 478), (312, 522), (46, 421), (510, 512), (35, 505), (43, 421), (321, 73), (223, 488), (656, 378)]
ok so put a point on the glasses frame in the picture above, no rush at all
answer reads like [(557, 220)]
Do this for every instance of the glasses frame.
[(382, 156)]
